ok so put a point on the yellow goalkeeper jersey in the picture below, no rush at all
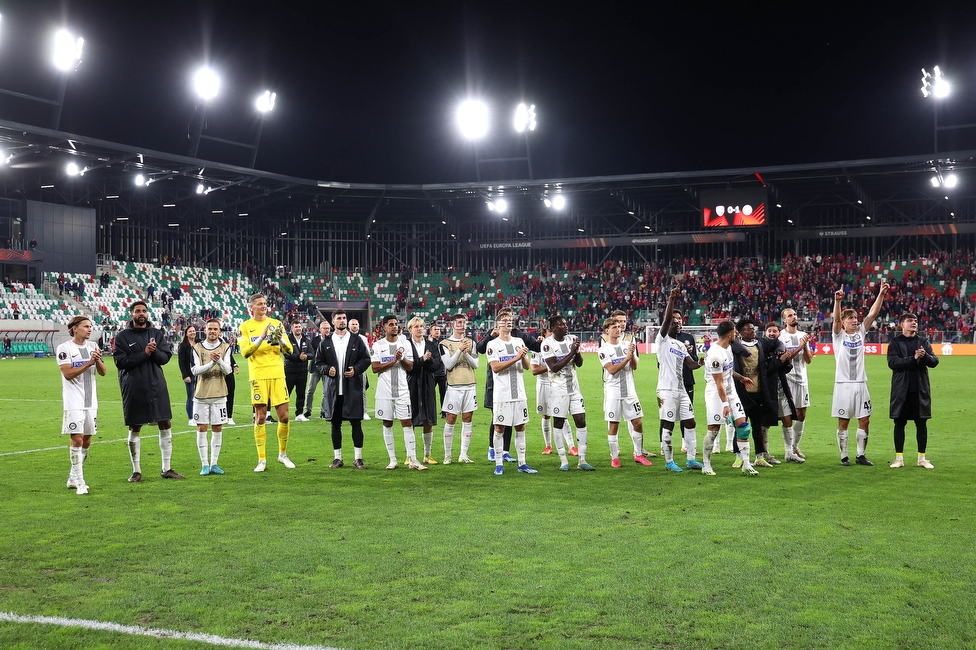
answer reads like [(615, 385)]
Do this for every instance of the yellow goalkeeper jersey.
[(263, 359)]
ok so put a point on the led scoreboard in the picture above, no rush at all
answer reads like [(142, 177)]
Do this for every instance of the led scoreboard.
[(733, 208)]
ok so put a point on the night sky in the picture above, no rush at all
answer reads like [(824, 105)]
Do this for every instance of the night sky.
[(367, 91)]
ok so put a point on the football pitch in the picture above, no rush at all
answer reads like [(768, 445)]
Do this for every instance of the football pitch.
[(811, 556)]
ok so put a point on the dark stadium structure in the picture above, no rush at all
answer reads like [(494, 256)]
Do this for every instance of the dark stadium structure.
[(224, 216)]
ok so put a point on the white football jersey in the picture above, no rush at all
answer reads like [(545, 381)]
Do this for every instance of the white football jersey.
[(671, 354), (392, 382), (543, 378), (78, 393), (620, 385), (849, 356), (792, 341), (509, 384), (565, 381), (719, 361)]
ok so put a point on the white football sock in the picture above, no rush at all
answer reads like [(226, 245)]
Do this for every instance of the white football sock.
[(428, 442), (467, 429), (78, 476), (797, 433), (862, 441), (202, 447), (744, 454), (637, 437), (390, 443), (842, 442), (788, 440), (498, 444), (581, 436), (547, 431), (691, 442), (135, 445), (560, 441), (410, 440), (710, 437), (520, 446), (166, 447), (448, 440), (614, 446), (216, 439), (666, 446)]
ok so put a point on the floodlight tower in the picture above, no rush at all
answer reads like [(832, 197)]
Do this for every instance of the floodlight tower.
[(66, 56), (264, 104), (206, 84), (935, 85), (472, 120)]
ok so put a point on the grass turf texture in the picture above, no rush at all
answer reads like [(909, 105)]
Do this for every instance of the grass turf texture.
[(812, 556)]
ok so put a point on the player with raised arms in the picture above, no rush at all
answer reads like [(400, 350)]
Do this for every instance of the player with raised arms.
[(851, 396), (673, 401)]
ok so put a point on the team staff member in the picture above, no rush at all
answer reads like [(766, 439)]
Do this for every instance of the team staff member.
[(78, 360), (324, 330), (141, 351), (184, 355), (296, 368), (354, 329), (343, 358), (910, 357), (262, 341)]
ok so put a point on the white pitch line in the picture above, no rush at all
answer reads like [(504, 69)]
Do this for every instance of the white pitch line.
[(137, 630), (101, 442)]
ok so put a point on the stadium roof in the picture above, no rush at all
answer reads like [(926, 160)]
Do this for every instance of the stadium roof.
[(888, 191)]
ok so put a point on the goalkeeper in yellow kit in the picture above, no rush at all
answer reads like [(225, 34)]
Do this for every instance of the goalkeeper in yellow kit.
[(261, 341)]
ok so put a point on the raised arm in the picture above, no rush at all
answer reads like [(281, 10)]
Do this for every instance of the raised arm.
[(838, 296), (669, 311), (876, 307)]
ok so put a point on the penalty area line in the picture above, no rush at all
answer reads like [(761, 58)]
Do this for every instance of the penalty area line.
[(138, 630)]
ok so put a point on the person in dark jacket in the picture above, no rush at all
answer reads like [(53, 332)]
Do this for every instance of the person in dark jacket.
[(756, 359), (440, 378), (534, 345), (184, 355), (141, 351), (231, 385), (910, 357), (296, 368), (342, 393), (422, 382)]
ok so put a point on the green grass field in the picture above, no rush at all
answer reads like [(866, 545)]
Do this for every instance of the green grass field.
[(811, 556)]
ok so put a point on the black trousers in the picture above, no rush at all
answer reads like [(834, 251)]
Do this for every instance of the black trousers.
[(336, 421), (231, 385), (297, 380), (910, 411)]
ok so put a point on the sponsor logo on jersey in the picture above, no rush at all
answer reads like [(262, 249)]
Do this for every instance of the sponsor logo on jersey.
[(506, 357), (387, 359)]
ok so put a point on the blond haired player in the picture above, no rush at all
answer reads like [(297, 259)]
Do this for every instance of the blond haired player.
[(211, 364), (261, 341), (851, 396), (78, 360), (620, 401)]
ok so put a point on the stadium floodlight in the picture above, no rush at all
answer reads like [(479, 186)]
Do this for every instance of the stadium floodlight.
[(72, 169), (200, 188), (547, 202), (265, 102), (501, 205), (140, 179), (472, 119), (951, 181), (935, 181), (67, 50), (558, 202), (525, 118), (206, 83), (935, 84)]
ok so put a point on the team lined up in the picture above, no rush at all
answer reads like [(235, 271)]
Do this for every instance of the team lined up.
[(750, 385)]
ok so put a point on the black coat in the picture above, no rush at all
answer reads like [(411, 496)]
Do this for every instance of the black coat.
[(293, 362), (357, 356), (902, 361), (422, 382), (184, 355), (145, 397), (772, 375)]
